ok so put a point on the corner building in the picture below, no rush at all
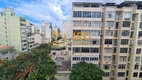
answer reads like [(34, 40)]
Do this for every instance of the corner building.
[(116, 38)]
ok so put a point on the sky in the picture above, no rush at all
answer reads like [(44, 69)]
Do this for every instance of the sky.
[(36, 11)]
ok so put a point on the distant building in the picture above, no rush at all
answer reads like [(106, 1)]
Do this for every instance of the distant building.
[(7, 52), (67, 29), (14, 30), (56, 33), (38, 38), (46, 31)]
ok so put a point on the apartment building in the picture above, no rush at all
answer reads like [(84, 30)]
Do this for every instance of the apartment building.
[(13, 30), (46, 31), (111, 37)]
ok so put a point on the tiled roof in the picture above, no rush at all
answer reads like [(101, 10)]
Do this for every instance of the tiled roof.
[(3, 48)]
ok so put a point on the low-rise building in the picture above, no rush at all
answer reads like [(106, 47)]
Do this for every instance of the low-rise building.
[(7, 52)]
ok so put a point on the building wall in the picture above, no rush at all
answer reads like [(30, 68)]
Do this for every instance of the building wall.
[(67, 29)]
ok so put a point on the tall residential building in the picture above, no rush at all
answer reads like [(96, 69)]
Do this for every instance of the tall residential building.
[(13, 30), (67, 29), (113, 38), (46, 31)]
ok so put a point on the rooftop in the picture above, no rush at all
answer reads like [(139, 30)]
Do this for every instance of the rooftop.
[(4, 48)]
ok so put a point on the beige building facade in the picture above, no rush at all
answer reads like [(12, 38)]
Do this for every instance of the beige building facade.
[(116, 38)]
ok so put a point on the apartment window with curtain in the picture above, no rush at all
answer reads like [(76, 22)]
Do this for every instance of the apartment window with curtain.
[(107, 58), (106, 66), (135, 74), (85, 58), (110, 14), (125, 33), (96, 32), (109, 24), (109, 33), (127, 15), (108, 50), (96, 14), (96, 24)]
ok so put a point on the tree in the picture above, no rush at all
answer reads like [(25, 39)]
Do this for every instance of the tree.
[(36, 65), (86, 71)]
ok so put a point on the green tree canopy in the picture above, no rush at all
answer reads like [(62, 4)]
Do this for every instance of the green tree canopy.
[(86, 71), (36, 65)]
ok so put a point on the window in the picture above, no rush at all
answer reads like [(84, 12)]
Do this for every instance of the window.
[(125, 33), (107, 58), (96, 42), (126, 23), (76, 23), (109, 24), (108, 41), (138, 51), (140, 25), (140, 33), (109, 33), (127, 15), (107, 74), (136, 67), (77, 5), (86, 24), (94, 50), (116, 25), (123, 58), (108, 50), (96, 32), (141, 16), (121, 74), (93, 58), (137, 59), (135, 74), (106, 66), (96, 14), (140, 75), (139, 42), (85, 50), (124, 41), (86, 14), (85, 58), (121, 66), (110, 14), (76, 58), (96, 24), (123, 50), (75, 49), (77, 14)]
